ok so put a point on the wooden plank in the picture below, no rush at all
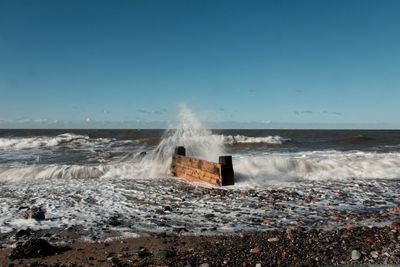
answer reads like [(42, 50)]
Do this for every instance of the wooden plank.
[(202, 170), (197, 172), (197, 175), (204, 165)]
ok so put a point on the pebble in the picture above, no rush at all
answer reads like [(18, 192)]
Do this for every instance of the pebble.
[(394, 226), (255, 250), (204, 265), (374, 254), (258, 265), (273, 239), (162, 254), (355, 255)]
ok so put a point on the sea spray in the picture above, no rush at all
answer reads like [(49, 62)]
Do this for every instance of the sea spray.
[(187, 131), (190, 133)]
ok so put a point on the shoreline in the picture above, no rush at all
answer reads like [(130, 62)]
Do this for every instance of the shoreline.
[(283, 247)]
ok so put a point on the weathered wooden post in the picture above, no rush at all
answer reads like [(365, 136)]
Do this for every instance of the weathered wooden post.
[(227, 174), (180, 150), (202, 170)]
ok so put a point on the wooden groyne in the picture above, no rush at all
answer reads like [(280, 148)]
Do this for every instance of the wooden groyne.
[(220, 173)]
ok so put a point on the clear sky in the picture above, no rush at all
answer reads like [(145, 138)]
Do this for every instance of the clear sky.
[(272, 64)]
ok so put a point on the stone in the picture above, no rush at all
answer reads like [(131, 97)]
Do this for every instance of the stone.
[(114, 220), (394, 226), (258, 265), (355, 255), (36, 213), (204, 265), (242, 235), (255, 250), (23, 233), (273, 239), (371, 240), (374, 254), (143, 253), (163, 254), (33, 248), (167, 208)]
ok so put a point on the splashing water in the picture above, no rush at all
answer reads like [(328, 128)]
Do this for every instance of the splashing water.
[(188, 132)]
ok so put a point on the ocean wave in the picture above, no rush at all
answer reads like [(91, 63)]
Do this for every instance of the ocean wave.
[(17, 173), (317, 165), (129, 166), (74, 140), (241, 139), (255, 170)]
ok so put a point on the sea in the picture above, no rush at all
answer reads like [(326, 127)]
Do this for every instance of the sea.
[(117, 183)]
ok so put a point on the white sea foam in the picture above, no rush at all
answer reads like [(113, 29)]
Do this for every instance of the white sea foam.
[(317, 165), (18, 173), (249, 170), (49, 141), (241, 139)]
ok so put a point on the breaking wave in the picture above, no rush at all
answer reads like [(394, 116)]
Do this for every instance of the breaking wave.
[(241, 139), (257, 170), (187, 132), (317, 165), (66, 139), (50, 172), (131, 163)]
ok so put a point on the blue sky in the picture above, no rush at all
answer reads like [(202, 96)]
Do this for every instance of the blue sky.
[(261, 64)]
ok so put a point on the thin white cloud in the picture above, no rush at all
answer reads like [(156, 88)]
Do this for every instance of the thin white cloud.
[(310, 112), (155, 112)]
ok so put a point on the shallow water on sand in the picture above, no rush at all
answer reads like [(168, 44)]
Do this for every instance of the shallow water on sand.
[(102, 208)]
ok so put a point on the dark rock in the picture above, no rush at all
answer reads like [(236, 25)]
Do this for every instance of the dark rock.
[(23, 233), (143, 253), (33, 248), (209, 216), (163, 254), (36, 213), (115, 261), (114, 220), (167, 208), (160, 212)]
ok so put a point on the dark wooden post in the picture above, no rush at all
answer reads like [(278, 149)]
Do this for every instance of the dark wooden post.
[(227, 174), (180, 150)]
